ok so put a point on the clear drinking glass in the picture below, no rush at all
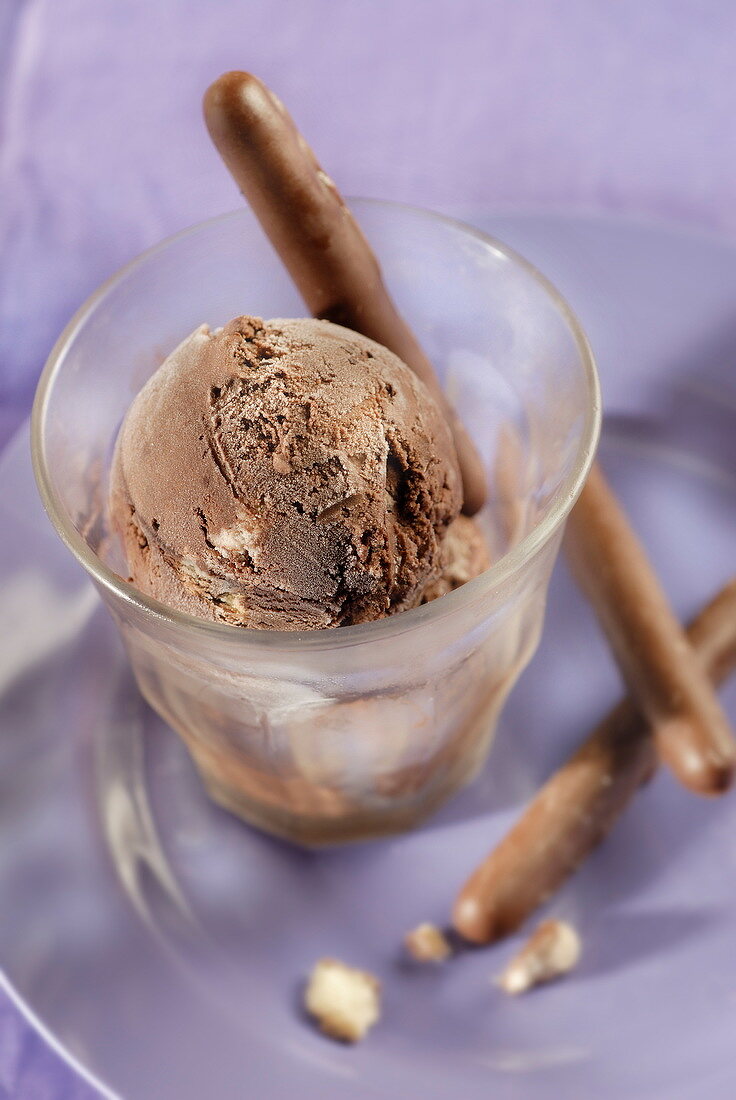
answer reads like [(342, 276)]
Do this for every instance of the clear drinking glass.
[(339, 734)]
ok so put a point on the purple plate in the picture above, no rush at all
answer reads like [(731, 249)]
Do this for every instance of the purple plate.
[(161, 944)]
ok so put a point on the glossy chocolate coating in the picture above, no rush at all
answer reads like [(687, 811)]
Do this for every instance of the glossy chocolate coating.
[(317, 237), (580, 803), (692, 732)]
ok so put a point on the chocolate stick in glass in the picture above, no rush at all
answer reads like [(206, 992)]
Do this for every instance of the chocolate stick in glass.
[(317, 238)]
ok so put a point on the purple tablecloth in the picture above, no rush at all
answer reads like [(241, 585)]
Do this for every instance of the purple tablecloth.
[(624, 106)]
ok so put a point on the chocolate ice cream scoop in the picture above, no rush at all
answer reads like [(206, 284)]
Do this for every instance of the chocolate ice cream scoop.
[(285, 475)]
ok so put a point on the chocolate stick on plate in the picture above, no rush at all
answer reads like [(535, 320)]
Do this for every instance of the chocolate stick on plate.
[(579, 804), (316, 236), (692, 733), (339, 278)]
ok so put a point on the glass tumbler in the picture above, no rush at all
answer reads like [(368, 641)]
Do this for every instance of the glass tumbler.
[(335, 735)]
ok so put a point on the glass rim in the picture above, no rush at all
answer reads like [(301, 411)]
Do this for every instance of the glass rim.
[(499, 572)]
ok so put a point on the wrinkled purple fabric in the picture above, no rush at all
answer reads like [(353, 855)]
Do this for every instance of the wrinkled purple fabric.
[(624, 106)]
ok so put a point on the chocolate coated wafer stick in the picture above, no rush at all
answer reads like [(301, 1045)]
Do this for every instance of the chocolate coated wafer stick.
[(317, 237), (578, 805), (693, 736)]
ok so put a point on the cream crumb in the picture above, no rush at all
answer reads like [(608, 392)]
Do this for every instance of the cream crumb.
[(552, 950), (427, 943), (345, 1002)]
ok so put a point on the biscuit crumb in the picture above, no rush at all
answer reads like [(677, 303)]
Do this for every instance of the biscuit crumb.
[(553, 950), (344, 1001), (427, 943)]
